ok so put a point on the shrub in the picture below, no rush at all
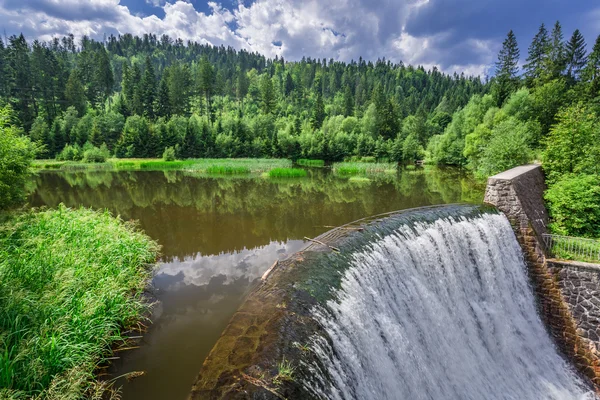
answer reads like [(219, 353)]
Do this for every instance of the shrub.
[(70, 153), (96, 155), (16, 154), (169, 154), (574, 205)]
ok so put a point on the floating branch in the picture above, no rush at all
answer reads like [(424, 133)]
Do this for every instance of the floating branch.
[(321, 243)]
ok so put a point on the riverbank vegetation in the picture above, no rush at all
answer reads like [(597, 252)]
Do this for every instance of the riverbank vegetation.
[(71, 283), (205, 165), (362, 168)]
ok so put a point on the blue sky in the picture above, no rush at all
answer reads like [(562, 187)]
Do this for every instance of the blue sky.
[(454, 35)]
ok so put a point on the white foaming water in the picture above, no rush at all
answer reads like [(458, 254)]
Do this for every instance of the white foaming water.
[(441, 311)]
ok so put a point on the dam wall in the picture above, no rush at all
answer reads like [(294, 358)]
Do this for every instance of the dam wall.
[(567, 292)]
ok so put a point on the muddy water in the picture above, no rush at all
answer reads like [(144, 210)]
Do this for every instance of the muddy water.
[(219, 235)]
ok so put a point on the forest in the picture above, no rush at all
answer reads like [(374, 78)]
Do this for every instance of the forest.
[(148, 97)]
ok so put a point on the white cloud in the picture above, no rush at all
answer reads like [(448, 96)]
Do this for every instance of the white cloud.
[(339, 29)]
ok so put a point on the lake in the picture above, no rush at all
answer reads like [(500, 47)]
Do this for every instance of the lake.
[(219, 235)]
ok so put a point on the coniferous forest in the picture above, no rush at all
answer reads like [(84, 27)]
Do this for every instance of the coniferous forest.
[(138, 97)]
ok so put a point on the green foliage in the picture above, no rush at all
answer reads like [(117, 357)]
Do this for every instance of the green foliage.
[(507, 148), (70, 153), (169, 154), (574, 205), (66, 294), (227, 170), (573, 145), (287, 173), (361, 168), (16, 155), (310, 163), (96, 155)]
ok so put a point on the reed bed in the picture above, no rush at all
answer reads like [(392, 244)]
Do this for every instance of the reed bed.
[(227, 170), (71, 282), (360, 168), (311, 163), (202, 165), (287, 173)]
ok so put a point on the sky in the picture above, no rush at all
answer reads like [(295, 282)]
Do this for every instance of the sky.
[(454, 35)]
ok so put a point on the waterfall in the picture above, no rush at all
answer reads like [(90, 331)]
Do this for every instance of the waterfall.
[(439, 310)]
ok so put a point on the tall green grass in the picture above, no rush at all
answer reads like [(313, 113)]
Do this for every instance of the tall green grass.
[(310, 163), (201, 165), (360, 168), (287, 173), (70, 282), (227, 170)]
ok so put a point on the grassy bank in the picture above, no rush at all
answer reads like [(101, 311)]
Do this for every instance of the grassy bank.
[(362, 168), (287, 173), (203, 165), (70, 282)]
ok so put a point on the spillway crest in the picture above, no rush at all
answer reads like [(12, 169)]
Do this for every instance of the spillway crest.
[(438, 310)]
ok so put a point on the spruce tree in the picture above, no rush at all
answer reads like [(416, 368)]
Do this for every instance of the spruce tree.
[(318, 114), (591, 73), (575, 55), (507, 69), (555, 57), (163, 102), (206, 82), (148, 89), (267, 94), (536, 56), (348, 102), (75, 93)]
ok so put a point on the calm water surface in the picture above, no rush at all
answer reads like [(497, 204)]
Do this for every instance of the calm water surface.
[(219, 235)]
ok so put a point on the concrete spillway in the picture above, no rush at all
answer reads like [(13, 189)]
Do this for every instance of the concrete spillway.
[(426, 304), (440, 310)]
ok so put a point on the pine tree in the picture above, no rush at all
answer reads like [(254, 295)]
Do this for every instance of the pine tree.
[(575, 55), (507, 69), (318, 114), (206, 82), (591, 73), (148, 89), (20, 77), (289, 84), (180, 88), (241, 87), (536, 56), (267, 95), (103, 75), (555, 57), (96, 135), (348, 102), (163, 102), (75, 93)]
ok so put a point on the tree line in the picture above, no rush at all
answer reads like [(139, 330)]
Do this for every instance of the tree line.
[(547, 111), (141, 95)]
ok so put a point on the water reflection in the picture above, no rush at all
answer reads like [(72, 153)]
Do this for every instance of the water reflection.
[(219, 235)]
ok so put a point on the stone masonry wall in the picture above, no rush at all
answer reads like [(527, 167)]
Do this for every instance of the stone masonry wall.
[(580, 286), (567, 293)]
